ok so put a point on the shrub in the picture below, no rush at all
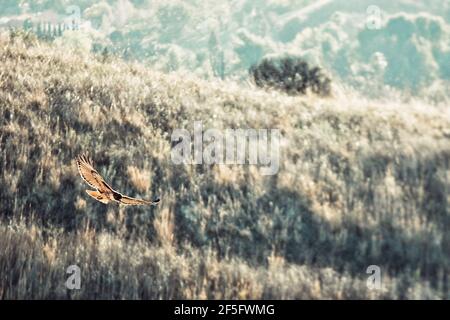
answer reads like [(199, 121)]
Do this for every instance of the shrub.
[(292, 75)]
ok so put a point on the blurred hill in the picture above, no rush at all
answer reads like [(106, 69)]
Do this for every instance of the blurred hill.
[(360, 183), (403, 45)]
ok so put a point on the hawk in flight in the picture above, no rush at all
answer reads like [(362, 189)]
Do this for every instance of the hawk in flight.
[(104, 193)]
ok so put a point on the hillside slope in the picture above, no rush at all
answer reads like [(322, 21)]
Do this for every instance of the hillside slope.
[(359, 184)]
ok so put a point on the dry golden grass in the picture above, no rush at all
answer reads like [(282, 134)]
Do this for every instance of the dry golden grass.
[(360, 183), (139, 178)]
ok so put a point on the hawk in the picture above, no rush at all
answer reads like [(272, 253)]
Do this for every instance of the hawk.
[(103, 192)]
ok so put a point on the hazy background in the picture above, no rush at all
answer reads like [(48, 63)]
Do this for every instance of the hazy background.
[(369, 45)]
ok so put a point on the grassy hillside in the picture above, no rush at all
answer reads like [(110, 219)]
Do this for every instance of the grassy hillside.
[(360, 183)]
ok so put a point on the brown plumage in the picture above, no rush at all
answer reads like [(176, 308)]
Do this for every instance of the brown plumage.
[(104, 193)]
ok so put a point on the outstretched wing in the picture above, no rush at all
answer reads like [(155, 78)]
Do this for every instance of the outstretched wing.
[(133, 201), (95, 180), (90, 175)]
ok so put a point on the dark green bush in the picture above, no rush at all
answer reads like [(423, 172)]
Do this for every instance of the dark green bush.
[(292, 75)]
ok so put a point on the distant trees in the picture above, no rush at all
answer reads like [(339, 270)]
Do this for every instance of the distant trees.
[(216, 57), (9, 7), (291, 75), (172, 20), (46, 30), (49, 30)]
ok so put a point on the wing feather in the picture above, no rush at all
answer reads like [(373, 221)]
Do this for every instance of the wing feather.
[(90, 175), (134, 201)]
